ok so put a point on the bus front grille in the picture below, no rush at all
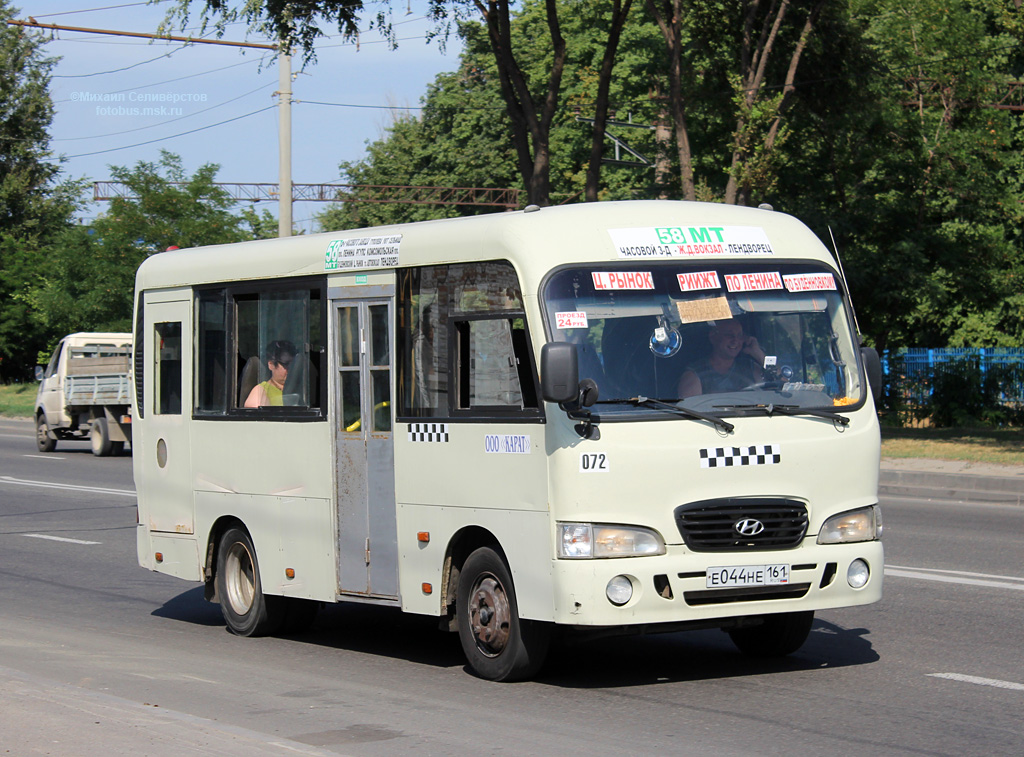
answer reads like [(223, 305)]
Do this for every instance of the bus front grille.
[(742, 524)]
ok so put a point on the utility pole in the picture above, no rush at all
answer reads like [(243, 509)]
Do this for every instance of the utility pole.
[(284, 174), (284, 60)]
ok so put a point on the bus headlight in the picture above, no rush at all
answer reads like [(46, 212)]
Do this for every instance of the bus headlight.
[(588, 540), (864, 524)]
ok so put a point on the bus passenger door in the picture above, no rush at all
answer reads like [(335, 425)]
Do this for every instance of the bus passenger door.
[(368, 546), (162, 447)]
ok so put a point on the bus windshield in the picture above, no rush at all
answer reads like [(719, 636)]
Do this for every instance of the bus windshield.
[(715, 337)]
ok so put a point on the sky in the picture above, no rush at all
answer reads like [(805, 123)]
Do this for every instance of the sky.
[(215, 104)]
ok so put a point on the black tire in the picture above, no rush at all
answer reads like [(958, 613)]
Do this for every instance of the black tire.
[(44, 439), (778, 636), (246, 609), (99, 436), (497, 644)]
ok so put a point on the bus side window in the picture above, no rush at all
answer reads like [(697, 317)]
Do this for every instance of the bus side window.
[(488, 370), (467, 319), (259, 350), (168, 368)]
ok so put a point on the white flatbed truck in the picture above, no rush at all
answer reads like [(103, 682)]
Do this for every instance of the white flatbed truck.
[(85, 393)]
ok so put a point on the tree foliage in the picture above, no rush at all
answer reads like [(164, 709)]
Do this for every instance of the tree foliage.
[(880, 133), (33, 205), (89, 281)]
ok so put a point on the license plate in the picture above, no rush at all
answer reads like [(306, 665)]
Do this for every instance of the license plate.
[(747, 575)]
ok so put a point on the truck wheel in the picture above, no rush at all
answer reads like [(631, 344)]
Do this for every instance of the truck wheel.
[(246, 610), (44, 441), (498, 645), (778, 636), (99, 435)]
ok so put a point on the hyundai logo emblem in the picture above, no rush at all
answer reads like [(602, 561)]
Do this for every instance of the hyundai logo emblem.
[(749, 527)]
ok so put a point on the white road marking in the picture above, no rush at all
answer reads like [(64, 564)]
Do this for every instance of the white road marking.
[(71, 487), (61, 538), (980, 681), (956, 577), (45, 457), (956, 572)]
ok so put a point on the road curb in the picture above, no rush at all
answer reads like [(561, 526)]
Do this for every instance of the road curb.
[(1006, 490)]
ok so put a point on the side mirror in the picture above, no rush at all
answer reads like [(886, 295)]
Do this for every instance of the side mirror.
[(559, 372), (40, 372), (873, 368)]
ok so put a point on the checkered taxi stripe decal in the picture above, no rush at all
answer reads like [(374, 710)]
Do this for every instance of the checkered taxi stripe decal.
[(726, 457), (428, 432)]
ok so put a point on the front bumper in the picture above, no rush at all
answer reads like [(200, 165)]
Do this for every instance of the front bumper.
[(671, 588)]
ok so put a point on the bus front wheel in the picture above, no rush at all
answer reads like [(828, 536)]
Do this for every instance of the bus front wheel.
[(778, 636), (499, 646), (246, 609)]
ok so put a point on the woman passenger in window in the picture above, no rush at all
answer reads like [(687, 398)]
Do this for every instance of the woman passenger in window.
[(280, 355), (735, 362)]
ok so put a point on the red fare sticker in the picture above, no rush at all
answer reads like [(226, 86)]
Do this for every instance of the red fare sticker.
[(692, 282), (618, 280), (753, 282), (571, 320), (810, 282)]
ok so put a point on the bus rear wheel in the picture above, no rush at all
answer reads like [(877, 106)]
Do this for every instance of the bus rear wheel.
[(498, 645), (44, 441), (778, 636), (246, 609)]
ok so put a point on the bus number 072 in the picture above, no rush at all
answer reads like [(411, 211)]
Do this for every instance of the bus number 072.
[(594, 462)]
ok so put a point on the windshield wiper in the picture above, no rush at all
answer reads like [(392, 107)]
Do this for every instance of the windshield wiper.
[(642, 401), (770, 408)]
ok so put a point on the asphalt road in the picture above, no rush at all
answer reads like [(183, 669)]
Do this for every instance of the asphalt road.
[(100, 657)]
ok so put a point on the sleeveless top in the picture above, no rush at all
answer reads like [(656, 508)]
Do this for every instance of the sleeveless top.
[(274, 395)]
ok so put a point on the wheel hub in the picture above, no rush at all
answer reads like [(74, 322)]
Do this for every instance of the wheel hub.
[(240, 579), (489, 616)]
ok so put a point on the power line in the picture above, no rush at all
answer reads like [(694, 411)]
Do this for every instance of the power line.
[(180, 78), (164, 139), (93, 10), (164, 123), (117, 70)]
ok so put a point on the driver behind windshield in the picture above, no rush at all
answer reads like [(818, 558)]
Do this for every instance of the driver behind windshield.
[(734, 364)]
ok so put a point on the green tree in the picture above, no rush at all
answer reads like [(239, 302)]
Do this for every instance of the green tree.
[(89, 281), (919, 179), (33, 206)]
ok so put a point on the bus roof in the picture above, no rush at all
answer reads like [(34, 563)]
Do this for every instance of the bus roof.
[(535, 240)]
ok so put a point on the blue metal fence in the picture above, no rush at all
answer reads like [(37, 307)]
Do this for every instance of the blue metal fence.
[(954, 386)]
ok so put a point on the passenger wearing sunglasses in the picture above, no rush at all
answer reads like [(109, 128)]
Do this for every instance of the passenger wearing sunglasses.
[(279, 355)]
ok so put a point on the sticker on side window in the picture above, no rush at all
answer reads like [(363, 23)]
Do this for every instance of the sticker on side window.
[(571, 320)]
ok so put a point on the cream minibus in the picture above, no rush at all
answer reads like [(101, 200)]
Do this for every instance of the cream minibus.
[(615, 417)]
